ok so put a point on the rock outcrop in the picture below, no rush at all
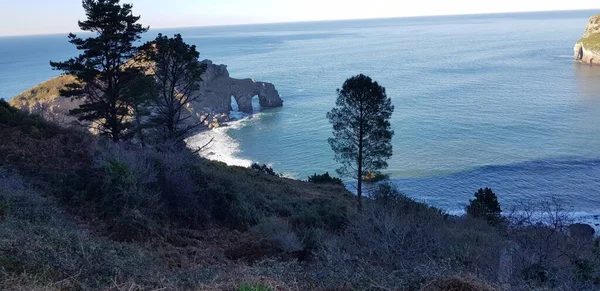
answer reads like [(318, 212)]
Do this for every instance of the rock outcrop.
[(216, 90), (45, 100), (218, 87), (587, 49)]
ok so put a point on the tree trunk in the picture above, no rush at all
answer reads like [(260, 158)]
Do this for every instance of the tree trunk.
[(115, 130), (359, 188), (115, 135), (360, 167)]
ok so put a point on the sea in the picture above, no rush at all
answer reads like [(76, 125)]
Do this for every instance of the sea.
[(480, 101)]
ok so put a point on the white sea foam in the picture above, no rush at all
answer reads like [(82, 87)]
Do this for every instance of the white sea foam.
[(223, 147)]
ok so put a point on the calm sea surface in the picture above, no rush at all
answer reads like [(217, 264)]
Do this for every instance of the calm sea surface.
[(481, 101)]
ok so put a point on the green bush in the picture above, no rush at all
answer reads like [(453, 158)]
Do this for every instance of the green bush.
[(264, 168), (325, 179), (387, 196), (485, 206), (585, 270), (141, 190), (33, 125), (322, 213)]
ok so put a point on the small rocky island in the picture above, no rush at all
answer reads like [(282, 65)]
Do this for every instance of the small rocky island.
[(587, 49), (216, 91)]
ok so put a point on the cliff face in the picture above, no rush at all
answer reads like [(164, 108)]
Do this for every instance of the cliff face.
[(218, 87), (587, 49), (216, 90)]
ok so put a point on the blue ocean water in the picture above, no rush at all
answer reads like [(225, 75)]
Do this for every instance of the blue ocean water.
[(481, 101)]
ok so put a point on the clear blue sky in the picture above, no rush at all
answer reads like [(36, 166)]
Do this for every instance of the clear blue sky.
[(20, 17)]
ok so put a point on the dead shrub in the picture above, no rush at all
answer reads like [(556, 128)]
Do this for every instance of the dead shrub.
[(279, 232)]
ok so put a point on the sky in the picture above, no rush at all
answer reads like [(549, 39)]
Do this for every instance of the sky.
[(26, 17)]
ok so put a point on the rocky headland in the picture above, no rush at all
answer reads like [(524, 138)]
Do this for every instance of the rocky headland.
[(218, 87), (587, 49), (213, 106)]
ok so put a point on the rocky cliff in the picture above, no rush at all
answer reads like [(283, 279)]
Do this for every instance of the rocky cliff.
[(216, 90), (587, 49), (218, 87)]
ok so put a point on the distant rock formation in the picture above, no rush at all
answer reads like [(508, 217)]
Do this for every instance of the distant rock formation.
[(214, 103), (218, 87), (45, 100), (587, 49)]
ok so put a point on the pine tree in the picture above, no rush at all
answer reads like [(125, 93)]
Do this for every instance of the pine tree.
[(362, 132), (105, 70), (177, 73), (485, 206)]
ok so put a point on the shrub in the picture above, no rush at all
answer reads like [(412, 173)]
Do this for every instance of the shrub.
[(387, 196), (32, 125), (585, 270), (582, 231), (485, 206), (322, 213), (325, 179), (230, 209), (139, 190), (41, 242), (264, 168), (278, 232), (128, 180)]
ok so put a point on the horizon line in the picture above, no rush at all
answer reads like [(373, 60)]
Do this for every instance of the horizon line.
[(318, 21)]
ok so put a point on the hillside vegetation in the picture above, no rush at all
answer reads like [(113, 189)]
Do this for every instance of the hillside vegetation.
[(591, 37), (43, 93), (78, 212)]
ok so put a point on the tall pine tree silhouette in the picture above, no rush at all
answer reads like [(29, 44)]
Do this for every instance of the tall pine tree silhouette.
[(107, 76), (362, 132)]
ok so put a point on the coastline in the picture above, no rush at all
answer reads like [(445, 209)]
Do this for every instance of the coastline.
[(222, 148), (225, 149)]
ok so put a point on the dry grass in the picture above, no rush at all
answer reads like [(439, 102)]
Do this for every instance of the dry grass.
[(456, 283), (248, 284), (43, 93)]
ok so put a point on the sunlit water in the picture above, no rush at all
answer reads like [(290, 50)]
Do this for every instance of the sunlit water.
[(480, 101)]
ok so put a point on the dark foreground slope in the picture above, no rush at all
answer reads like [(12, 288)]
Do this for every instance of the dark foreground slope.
[(79, 213)]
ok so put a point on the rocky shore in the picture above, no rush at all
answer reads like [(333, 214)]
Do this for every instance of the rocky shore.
[(587, 49)]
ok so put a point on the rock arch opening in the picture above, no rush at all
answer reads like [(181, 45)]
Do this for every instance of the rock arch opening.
[(246, 103), (234, 107), (256, 104)]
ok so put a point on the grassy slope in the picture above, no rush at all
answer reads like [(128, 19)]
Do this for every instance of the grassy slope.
[(62, 229), (48, 241), (42, 93), (49, 90), (591, 41)]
